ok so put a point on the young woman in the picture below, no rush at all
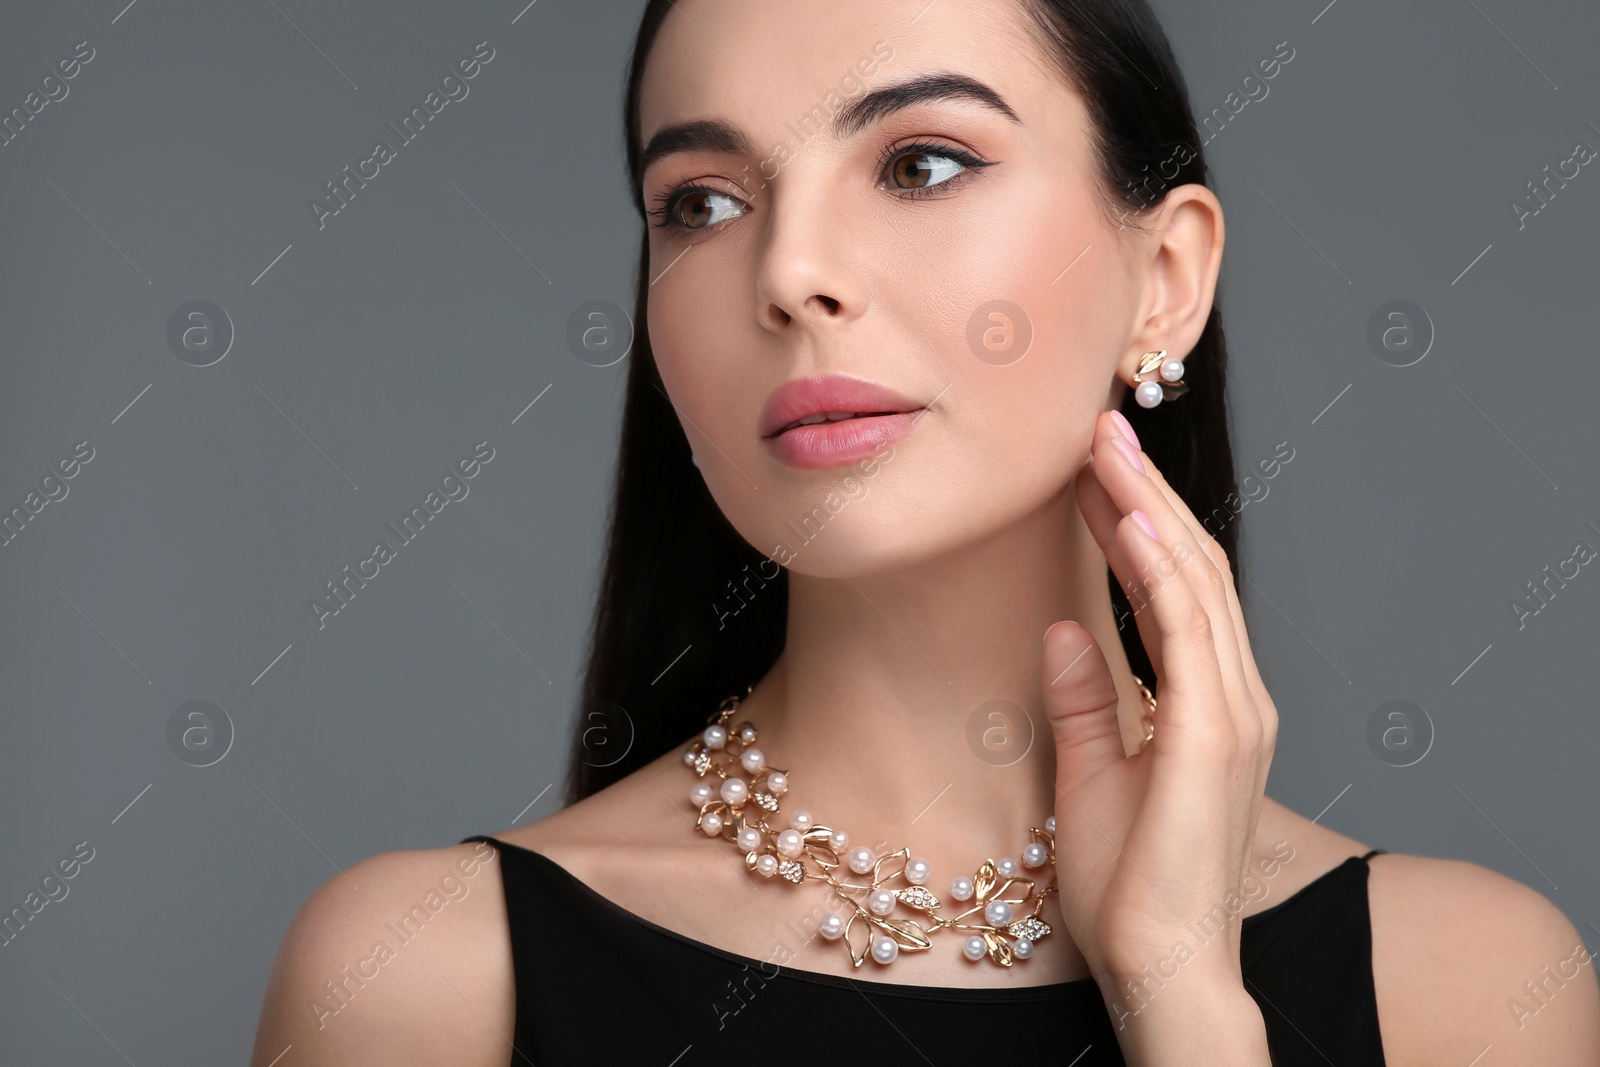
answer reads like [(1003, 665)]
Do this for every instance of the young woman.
[(927, 406)]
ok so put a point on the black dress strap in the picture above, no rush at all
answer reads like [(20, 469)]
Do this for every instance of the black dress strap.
[(1369, 855)]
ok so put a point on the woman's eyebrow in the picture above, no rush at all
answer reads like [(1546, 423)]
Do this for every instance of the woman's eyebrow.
[(718, 135)]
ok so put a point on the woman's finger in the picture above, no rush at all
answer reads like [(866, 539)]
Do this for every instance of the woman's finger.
[(1080, 700), (1100, 515), (1125, 474), (1219, 559), (1266, 712), (1187, 637)]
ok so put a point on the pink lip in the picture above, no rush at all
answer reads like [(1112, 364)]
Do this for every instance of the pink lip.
[(829, 444)]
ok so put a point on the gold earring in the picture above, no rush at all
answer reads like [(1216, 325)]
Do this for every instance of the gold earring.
[(1158, 379)]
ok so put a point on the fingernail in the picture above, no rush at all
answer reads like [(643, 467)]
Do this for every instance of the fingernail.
[(1126, 427), (1129, 454), (1146, 525)]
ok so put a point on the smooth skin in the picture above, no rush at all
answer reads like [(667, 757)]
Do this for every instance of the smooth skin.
[(1157, 837), (928, 595), (1451, 940)]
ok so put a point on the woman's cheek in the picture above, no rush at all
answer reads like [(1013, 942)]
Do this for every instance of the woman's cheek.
[(689, 358)]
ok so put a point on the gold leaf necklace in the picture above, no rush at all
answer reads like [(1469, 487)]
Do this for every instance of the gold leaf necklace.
[(1008, 925)]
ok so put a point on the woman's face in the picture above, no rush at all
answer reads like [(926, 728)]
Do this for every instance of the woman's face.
[(956, 256)]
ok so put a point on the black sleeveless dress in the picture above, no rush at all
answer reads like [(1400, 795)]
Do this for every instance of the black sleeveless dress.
[(598, 984)]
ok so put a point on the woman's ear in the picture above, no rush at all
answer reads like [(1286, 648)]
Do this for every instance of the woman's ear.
[(1179, 263)]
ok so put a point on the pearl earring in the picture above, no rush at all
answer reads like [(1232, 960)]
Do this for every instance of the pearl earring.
[(1168, 386)]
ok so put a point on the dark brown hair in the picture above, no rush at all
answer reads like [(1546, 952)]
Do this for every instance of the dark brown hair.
[(662, 652)]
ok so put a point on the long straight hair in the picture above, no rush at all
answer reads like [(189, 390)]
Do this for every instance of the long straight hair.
[(688, 612)]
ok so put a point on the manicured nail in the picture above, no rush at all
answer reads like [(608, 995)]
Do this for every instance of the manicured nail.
[(1146, 525), (1052, 626), (1129, 454), (1126, 427)]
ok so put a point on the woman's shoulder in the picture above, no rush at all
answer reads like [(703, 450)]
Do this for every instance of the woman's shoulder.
[(631, 842), (353, 982), (1465, 959), (402, 957), (1454, 945)]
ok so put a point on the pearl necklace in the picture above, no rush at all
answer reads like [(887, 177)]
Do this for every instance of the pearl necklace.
[(738, 811)]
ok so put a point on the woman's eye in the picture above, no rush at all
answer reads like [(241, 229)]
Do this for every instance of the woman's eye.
[(914, 170), (924, 168), (695, 208)]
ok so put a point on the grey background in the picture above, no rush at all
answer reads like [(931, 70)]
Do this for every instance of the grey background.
[(426, 316)]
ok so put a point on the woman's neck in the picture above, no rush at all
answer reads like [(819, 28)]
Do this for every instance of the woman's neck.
[(897, 703)]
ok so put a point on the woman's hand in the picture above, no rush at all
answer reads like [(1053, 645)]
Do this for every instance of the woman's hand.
[(1153, 848)]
